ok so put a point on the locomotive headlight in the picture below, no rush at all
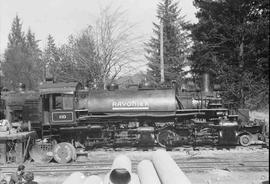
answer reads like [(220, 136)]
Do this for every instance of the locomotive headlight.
[(219, 113), (218, 95)]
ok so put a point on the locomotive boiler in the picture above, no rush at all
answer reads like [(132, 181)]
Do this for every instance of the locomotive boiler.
[(131, 103)]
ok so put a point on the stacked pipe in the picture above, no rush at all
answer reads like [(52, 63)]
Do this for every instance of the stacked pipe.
[(80, 178), (120, 172), (162, 169), (167, 169)]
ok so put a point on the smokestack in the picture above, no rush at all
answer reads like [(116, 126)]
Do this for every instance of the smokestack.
[(206, 83)]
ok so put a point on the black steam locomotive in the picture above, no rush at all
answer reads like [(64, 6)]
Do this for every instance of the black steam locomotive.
[(136, 116)]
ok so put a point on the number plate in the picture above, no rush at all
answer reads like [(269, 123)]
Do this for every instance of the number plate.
[(62, 116)]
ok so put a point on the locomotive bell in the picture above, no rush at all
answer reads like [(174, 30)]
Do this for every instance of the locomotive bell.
[(21, 87), (217, 87)]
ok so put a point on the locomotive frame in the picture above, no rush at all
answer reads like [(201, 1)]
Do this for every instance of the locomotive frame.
[(66, 112)]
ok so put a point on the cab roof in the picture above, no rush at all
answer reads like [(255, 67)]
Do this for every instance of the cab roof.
[(60, 87)]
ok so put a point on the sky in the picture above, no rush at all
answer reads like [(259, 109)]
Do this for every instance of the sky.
[(62, 18)]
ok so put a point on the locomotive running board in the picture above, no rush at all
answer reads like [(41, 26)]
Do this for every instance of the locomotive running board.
[(201, 110), (178, 113), (106, 116)]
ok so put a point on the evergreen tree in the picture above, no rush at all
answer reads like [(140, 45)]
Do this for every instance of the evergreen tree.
[(51, 59), (14, 55), (175, 43), (21, 58), (33, 63), (16, 37), (232, 41)]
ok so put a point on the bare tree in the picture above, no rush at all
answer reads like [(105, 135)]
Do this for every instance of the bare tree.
[(99, 54), (117, 46)]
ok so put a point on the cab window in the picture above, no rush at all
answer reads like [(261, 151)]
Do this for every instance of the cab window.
[(57, 102), (62, 102), (68, 102)]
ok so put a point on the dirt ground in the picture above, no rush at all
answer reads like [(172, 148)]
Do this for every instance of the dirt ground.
[(209, 177), (212, 176)]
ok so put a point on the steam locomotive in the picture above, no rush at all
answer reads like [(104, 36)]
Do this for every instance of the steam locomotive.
[(135, 116)]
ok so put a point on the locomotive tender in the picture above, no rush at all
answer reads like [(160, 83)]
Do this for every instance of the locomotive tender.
[(144, 116)]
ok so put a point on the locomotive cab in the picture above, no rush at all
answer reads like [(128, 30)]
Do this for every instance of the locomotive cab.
[(58, 103)]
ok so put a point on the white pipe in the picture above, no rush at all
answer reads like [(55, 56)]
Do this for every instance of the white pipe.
[(76, 177), (167, 169), (120, 172), (94, 179), (134, 179), (147, 173)]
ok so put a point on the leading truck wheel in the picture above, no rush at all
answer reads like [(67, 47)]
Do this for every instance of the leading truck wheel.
[(245, 140)]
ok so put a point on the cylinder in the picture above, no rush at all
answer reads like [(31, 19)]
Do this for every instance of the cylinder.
[(167, 169), (120, 172), (206, 83), (76, 177), (147, 173), (94, 179)]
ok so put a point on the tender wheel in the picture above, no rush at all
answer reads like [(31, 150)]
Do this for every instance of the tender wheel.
[(245, 140), (165, 138)]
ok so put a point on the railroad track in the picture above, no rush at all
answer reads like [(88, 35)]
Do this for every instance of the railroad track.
[(186, 147), (104, 167)]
